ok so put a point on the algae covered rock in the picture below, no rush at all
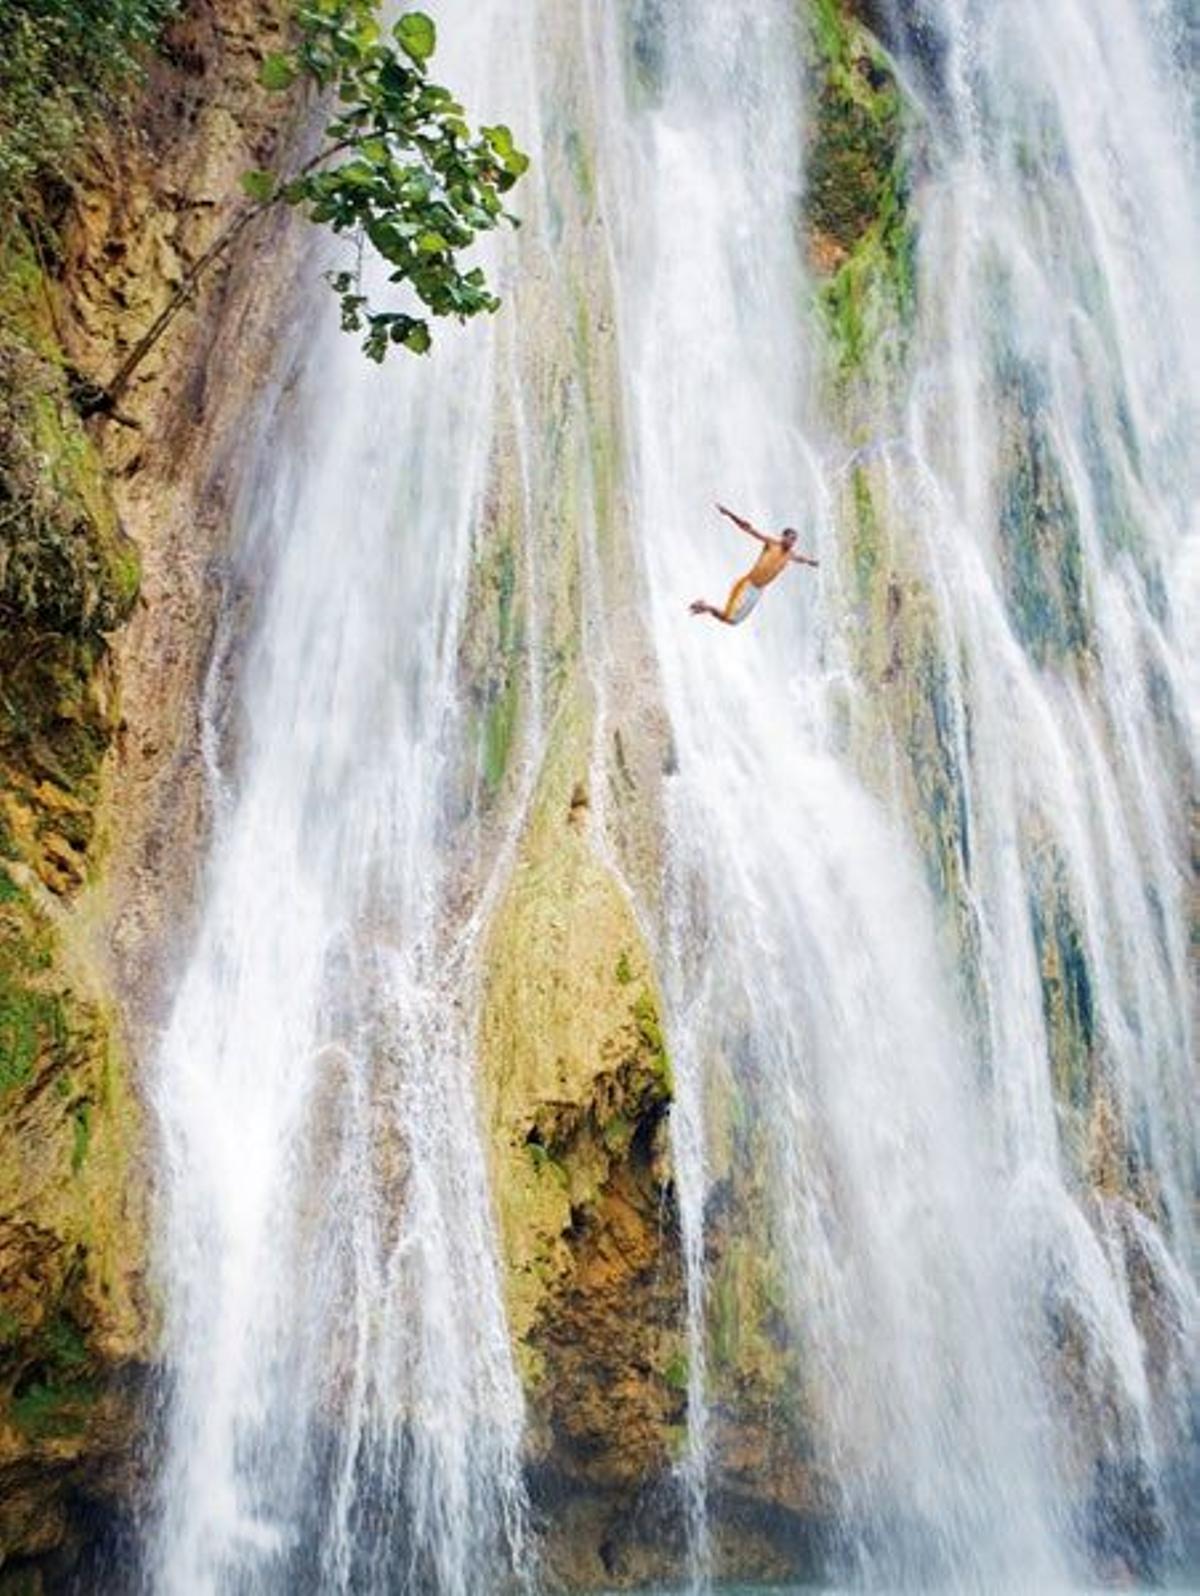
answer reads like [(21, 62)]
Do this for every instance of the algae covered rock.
[(858, 223), (72, 1321), (68, 576), (1039, 522), (65, 564), (578, 1083)]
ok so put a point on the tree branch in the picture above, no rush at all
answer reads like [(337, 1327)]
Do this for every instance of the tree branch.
[(103, 401)]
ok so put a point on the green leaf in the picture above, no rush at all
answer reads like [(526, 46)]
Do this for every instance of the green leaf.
[(416, 36), (500, 138), (395, 80), (278, 72), (416, 180), (259, 184)]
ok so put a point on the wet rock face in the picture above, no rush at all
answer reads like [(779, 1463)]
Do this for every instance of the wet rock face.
[(613, 1383), (1039, 523), (68, 577), (76, 1330), (855, 146), (71, 1317), (857, 220), (577, 1086)]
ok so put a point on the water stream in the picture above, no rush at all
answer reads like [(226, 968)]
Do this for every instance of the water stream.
[(964, 1198), (925, 1193), (343, 1409)]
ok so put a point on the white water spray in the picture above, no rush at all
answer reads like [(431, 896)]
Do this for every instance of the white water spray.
[(344, 1412), (942, 1255)]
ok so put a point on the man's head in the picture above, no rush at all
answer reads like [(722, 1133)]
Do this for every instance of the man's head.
[(788, 536)]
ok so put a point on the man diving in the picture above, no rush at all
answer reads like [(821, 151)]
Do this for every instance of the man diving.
[(746, 591)]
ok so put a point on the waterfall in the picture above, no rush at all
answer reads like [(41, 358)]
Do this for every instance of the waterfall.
[(343, 1412), (964, 1191), (923, 928)]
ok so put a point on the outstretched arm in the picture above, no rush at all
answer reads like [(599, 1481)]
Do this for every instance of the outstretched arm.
[(743, 525), (803, 559)]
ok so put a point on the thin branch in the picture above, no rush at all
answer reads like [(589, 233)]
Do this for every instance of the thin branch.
[(183, 293), (105, 403)]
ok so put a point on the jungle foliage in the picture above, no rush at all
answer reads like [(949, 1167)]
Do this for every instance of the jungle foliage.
[(62, 63)]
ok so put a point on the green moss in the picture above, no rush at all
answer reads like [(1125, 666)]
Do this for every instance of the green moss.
[(933, 755), (545, 1163), (675, 1374), (649, 1023), (44, 1412), (830, 30), (48, 1369), (869, 304), (1068, 1001), (63, 1345), (506, 589), (857, 192), (855, 155), (864, 546), (24, 312), (580, 164), (616, 1134), (624, 969), (67, 566), (499, 726), (748, 1334), (31, 1024), (81, 1131), (645, 1012), (724, 1319)]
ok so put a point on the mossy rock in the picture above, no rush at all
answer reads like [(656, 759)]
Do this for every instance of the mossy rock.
[(1068, 995), (65, 564), (1045, 579), (858, 215), (574, 1054), (577, 1085), (68, 576), (71, 1231), (70, 1237), (912, 720), (58, 716), (857, 140)]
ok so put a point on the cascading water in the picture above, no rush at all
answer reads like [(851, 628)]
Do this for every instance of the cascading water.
[(940, 1250), (925, 913), (343, 1410)]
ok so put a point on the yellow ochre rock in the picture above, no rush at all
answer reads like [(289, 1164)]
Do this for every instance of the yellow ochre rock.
[(576, 1083)]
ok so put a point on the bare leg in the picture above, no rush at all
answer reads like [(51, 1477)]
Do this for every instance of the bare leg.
[(735, 610)]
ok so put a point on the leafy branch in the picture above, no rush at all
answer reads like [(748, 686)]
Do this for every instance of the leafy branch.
[(415, 181)]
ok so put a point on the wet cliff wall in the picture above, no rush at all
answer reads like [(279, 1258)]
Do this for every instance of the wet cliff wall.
[(111, 535)]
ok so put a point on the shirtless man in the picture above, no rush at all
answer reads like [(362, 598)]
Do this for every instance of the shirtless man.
[(746, 591)]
